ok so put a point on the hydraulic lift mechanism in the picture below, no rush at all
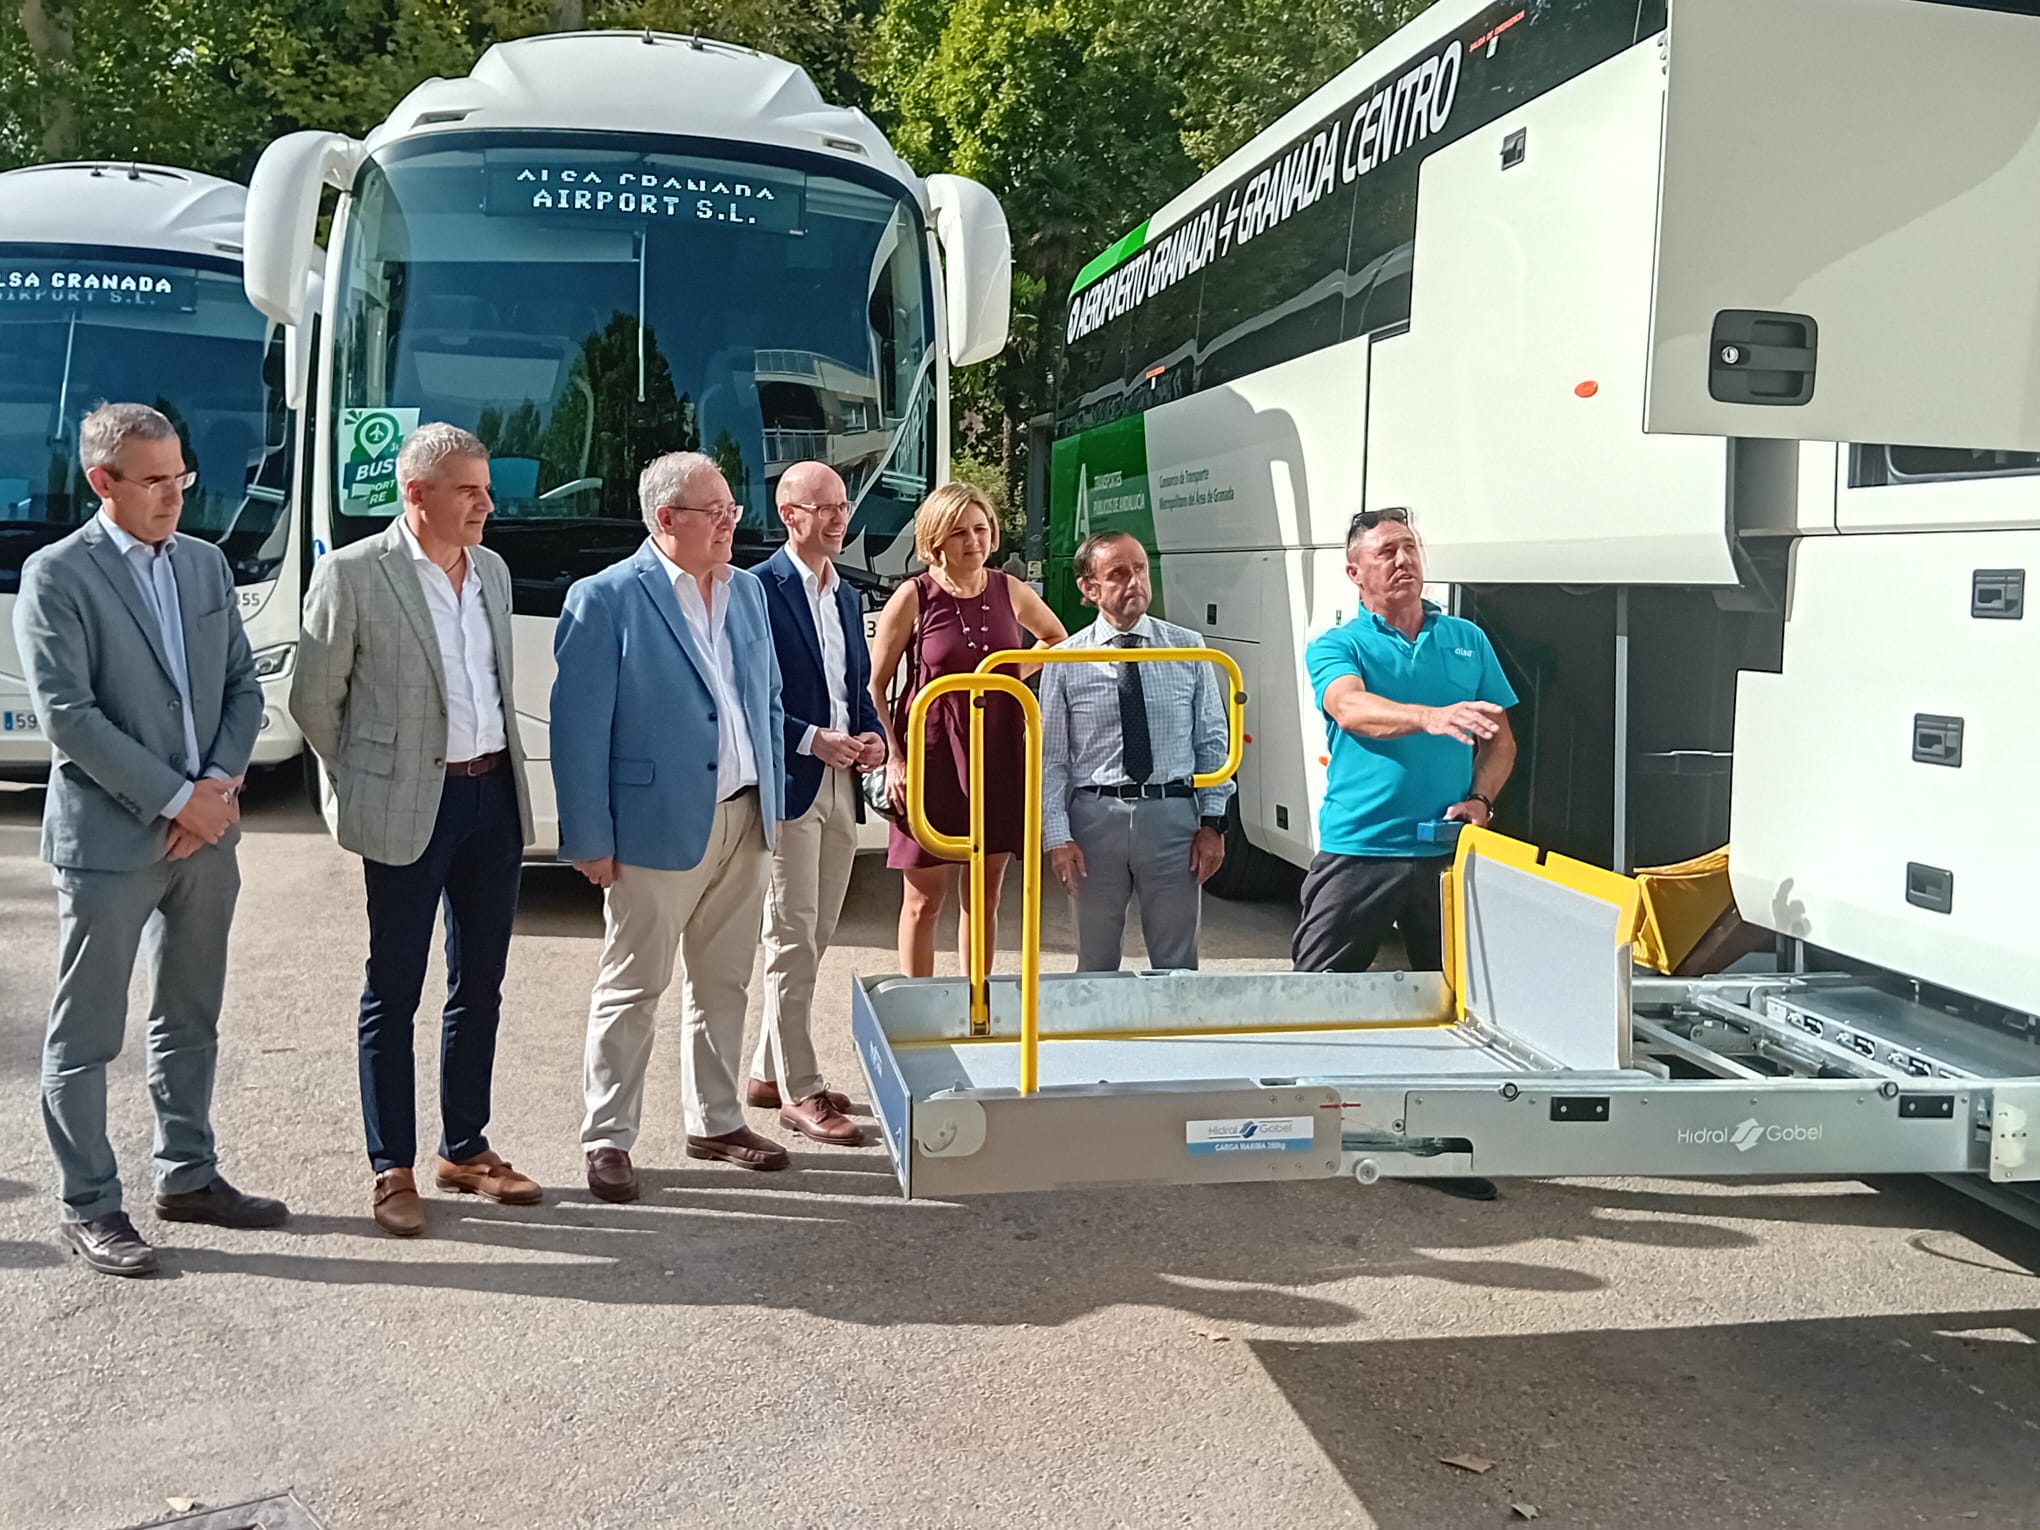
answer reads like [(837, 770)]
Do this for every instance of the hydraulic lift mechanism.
[(1540, 1052)]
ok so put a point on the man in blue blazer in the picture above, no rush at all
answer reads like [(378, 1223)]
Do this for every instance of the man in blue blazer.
[(832, 732), (668, 754)]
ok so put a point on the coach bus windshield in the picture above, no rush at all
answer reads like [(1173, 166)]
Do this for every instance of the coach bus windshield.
[(80, 326), (584, 302)]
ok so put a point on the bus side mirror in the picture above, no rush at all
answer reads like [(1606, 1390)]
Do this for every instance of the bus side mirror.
[(281, 222), (297, 343), (977, 260)]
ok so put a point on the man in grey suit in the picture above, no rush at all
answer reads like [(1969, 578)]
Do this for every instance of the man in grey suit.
[(131, 638), (403, 688)]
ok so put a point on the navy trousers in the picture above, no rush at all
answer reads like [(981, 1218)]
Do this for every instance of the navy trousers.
[(470, 869)]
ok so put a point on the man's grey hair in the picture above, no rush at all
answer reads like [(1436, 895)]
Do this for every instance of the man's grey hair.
[(431, 445), (108, 428), (666, 478)]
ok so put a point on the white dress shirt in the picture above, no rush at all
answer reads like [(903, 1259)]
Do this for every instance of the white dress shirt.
[(467, 654), (1081, 741), (157, 581), (821, 599), (736, 763)]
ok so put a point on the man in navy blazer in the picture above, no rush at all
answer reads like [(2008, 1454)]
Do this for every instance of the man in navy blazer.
[(832, 732), (668, 754)]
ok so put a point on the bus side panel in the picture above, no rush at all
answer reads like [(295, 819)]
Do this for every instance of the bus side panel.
[(1955, 504), (1850, 204), (1509, 416), (1252, 544), (1843, 835)]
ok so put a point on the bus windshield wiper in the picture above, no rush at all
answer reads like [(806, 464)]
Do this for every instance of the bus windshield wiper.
[(64, 383)]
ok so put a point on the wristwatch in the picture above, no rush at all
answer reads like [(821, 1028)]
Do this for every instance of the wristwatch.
[(1484, 800), (1213, 821)]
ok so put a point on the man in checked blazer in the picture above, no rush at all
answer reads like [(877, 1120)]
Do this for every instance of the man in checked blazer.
[(404, 689)]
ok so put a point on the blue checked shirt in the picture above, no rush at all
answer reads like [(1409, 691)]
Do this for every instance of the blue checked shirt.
[(1080, 722)]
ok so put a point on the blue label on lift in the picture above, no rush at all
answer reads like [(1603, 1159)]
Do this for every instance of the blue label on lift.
[(1250, 1134)]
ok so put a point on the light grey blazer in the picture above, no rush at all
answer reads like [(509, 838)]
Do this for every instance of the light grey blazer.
[(102, 686), (370, 693)]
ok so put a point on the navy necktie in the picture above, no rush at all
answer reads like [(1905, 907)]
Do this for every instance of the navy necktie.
[(1133, 719)]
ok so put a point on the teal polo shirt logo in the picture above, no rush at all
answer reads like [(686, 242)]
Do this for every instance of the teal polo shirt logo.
[(1378, 790)]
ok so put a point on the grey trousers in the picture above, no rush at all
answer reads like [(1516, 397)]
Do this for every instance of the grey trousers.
[(1138, 849), (183, 910)]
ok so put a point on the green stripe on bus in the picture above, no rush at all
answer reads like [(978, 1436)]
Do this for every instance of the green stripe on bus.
[(1127, 246)]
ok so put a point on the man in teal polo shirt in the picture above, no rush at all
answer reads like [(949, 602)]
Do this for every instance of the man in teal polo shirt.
[(1414, 716), (1416, 731)]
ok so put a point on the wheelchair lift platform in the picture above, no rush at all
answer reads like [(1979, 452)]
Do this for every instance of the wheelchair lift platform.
[(1538, 1053)]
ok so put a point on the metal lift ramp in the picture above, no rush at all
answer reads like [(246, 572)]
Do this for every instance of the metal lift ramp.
[(1538, 1054)]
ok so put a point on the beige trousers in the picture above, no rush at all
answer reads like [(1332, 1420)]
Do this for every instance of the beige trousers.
[(811, 861), (707, 916)]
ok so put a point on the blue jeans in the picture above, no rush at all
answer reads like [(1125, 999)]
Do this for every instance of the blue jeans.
[(183, 910), (470, 868)]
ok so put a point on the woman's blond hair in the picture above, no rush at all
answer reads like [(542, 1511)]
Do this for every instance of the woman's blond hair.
[(943, 511)]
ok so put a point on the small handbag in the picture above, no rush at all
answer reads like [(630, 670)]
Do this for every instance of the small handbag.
[(899, 705)]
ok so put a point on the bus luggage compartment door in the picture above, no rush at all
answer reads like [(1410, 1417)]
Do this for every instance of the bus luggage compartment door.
[(1849, 203)]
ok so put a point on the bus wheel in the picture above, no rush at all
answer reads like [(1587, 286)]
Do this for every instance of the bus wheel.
[(1249, 874)]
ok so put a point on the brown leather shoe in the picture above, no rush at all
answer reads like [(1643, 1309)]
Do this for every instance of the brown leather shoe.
[(489, 1175), (398, 1211), (763, 1094), (742, 1147), (610, 1176), (817, 1117)]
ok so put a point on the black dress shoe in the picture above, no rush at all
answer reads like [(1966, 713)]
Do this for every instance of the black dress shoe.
[(1466, 1189), (222, 1205), (110, 1245)]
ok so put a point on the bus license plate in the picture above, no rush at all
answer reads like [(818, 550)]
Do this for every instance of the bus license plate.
[(17, 722)]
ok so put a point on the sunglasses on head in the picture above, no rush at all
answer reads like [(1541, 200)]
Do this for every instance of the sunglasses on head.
[(1367, 520)]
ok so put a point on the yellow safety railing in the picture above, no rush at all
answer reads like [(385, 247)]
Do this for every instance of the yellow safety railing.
[(971, 846)]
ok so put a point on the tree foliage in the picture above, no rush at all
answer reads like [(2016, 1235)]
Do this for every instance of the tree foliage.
[(1085, 116), (1082, 115)]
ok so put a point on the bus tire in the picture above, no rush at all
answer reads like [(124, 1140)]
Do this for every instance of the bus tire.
[(1248, 874)]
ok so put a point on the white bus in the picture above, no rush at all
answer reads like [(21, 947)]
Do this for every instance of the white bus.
[(1703, 348), (602, 246), (122, 283)]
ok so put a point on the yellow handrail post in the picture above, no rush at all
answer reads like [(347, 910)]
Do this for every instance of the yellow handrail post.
[(972, 845), (983, 682), (1030, 916)]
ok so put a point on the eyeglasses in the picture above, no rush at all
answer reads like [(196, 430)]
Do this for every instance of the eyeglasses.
[(829, 511), (156, 485), (1367, 520), (726, 511)]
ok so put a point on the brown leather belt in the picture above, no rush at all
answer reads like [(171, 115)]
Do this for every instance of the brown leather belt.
[(480, 765)]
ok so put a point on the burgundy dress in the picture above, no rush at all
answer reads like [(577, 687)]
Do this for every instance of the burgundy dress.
[(951, 636)]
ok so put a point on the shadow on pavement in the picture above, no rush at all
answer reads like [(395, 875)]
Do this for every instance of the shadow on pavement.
[(832, 1239), (1813, 1423)]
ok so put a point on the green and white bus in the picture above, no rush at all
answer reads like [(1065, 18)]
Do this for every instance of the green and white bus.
[(1626, 302)]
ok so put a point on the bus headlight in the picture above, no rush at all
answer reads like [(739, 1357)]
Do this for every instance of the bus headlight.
[(274, 663)]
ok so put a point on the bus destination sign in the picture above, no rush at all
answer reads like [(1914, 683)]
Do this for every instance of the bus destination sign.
[(645, 192), (59, 283)]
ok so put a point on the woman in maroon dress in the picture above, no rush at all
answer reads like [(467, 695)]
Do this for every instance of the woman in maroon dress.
[(943, 622)]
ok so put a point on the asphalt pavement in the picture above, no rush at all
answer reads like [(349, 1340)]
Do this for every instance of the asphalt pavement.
[(804, 1349)]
